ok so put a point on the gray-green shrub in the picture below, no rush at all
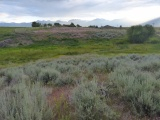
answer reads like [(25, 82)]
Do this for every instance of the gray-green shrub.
[(140, 88), (65, 80), (24, 101), (32, 71), (13, 75), (48, 75), (135, 78), (90, 104)]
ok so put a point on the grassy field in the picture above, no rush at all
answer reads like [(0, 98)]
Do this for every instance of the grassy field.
[(31, 44)]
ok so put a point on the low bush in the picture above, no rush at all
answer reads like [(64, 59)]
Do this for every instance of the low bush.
[(32, 71), (24, 101), (139, 88), (12, 75), (90, 104), (48, 75)]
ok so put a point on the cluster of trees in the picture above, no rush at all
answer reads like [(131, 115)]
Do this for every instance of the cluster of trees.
[(72, 25), (47, 25), (37, 24), (66, 25), (93, 26), (139, 33)]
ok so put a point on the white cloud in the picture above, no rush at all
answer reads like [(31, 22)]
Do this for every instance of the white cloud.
[(29, 10)]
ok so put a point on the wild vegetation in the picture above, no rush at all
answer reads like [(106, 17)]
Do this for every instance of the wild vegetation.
[(93, 87), (22, 45), (44, 76)]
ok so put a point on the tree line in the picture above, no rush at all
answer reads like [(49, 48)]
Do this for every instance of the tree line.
[(37, 24)]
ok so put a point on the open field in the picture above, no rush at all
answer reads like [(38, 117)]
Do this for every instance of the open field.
[(78, 74), (31, 44)]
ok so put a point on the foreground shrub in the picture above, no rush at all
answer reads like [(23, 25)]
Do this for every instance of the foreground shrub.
[(139, 34), (139, 88), (90, 104), (24, 102)]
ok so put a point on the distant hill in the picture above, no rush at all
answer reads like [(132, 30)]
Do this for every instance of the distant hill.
[(155, 22), (101, 22), (98, 22), (15, 24)]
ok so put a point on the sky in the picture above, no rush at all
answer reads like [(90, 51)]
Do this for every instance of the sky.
[(32, 10)]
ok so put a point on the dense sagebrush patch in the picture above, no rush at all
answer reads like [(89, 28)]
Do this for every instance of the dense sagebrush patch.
[(24, 101), (134, 79), (59, 72), (138, 83)]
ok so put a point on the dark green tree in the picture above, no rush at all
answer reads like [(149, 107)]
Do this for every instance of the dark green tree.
[(36, 24), (78, 25), (120, 26), (57, 24), (150, 29), (49, 25), (45, 25), (139, 33), (72, 25), (93, 26)]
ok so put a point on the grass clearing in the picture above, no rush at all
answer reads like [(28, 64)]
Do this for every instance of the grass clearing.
[(20, 55)]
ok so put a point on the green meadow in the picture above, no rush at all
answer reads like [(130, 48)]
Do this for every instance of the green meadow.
[(50, 47)]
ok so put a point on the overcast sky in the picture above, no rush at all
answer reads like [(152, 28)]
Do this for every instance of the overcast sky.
[(30, 10)]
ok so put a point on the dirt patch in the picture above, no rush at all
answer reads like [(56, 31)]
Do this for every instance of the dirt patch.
[(6, 42), (58, 92), (17, 41)]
